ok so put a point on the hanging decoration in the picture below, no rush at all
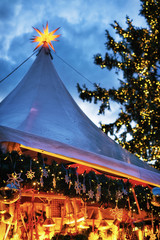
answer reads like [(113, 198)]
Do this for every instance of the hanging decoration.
[(117, 213), (77, 186), (92, 188), (54, 181), (67, 180), (98, 194), (45, 172), (84, 185), (14, 179), (30, 174), (153, 237), (41, 181), (103, 190), (90, 194)]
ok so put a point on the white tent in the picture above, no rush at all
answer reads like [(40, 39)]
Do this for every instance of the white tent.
[(41, 115)]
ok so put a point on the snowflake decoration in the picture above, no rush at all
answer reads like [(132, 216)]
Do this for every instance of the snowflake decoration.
[(125, 192), (14, 179), (30, 174), (45, 173), (153, 237), (117, 213), (77, 187), (91, 194), (119, 195)]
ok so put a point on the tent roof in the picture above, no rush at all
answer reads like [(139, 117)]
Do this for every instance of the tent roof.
[(41, 114)]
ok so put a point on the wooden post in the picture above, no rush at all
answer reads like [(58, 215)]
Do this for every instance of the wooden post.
[(136, 200)]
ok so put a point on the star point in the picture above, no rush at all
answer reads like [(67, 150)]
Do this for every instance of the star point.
[(45, 38)]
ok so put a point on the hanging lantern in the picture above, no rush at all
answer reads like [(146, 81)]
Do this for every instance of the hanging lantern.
[(156, 196), (49, 221), (83, 225), (2, 208), (7, 218), (69, 212), (8, 195), (103, 225)]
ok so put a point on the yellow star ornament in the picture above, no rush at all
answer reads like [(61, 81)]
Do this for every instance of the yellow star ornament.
[(45, 38)]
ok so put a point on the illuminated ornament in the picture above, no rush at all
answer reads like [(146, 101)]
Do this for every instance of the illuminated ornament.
[(125, 192), (47, 231), (67, 177), (14, 179), (83, 225), (45, 173), (119, 195), (77, 186), (91, 194), (54, 182), (49, 221), (41, 181), (98, 194), (30, 174), (36, 235), (153, 237), (117, 213), (93, 236), (45, 38), (84, 186), (9, 195)]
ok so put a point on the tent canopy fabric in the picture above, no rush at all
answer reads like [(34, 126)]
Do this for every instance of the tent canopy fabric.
[(41, 114)]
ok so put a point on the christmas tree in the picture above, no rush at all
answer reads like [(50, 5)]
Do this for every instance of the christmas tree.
[(136, 55)]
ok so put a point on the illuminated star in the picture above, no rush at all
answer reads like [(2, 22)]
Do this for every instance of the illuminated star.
[(30, 174), (45, 38), (37, 236), (47, 231), (117, 213), (153, 237), (14, 179)]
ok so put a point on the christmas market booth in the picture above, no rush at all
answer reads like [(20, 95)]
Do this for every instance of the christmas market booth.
[(61, 177)]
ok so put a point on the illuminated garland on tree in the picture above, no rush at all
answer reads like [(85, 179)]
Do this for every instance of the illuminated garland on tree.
[(111, 192), (137, 56)]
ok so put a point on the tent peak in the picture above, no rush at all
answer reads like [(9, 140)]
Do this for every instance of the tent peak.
[(46, 50)]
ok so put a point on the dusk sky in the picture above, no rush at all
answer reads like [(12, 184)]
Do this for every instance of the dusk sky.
[(82, 27)]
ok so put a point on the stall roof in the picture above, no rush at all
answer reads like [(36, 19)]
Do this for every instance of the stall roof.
[(41, 115)]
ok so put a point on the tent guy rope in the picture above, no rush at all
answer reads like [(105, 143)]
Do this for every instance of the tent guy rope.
[(17, 67)]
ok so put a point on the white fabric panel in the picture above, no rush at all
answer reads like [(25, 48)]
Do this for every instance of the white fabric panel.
[(41, 113)]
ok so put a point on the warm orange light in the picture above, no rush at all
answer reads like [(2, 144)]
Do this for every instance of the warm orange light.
[(45, 38)]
